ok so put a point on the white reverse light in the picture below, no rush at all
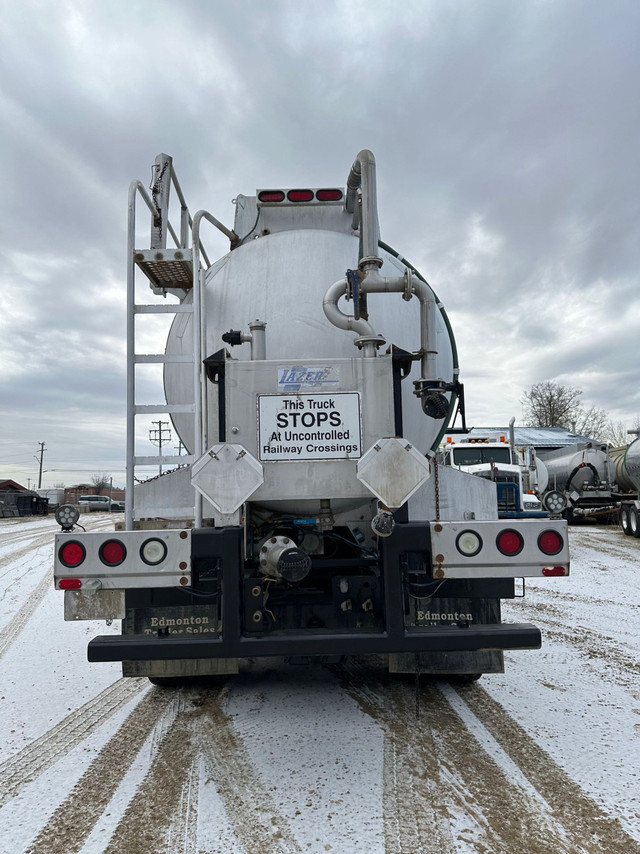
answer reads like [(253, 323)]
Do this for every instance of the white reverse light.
[(153, 551), (468, 543)]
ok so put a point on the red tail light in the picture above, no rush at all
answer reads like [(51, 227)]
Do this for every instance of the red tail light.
[(72, 553), (329, 195), (553, 570), (550, 542), (112, 552), (271, 196), (509, 542), (70, 584), (300, 195)]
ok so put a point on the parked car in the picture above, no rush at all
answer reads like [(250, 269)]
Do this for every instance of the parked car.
[(100, 502)]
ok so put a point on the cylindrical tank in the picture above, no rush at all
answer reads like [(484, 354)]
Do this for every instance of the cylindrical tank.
[(627, 463), (282, 278), (577, 469)]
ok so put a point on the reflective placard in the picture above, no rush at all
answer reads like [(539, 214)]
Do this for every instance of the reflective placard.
[(309, 426)]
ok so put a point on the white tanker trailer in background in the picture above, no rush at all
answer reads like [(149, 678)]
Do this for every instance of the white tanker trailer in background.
[(580, 481), (627, 475), (311, 373)]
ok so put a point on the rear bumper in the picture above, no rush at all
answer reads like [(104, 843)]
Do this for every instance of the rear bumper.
[(499, 636)]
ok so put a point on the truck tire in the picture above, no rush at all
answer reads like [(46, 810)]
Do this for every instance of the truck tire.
[(625, 523), (634, 522)]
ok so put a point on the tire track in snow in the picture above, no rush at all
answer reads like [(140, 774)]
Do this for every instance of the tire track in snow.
[(503, 812), (45, 751), (160, 816), (415, 819), (587, 642), (72, 822), (17, 623), (591, 829), (249, 805), (39, 542)]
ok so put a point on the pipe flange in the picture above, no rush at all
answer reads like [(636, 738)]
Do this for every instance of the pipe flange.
[(370, 260), (376, 340), (408, 285)]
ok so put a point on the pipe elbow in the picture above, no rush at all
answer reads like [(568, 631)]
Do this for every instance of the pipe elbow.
[(337, 317)]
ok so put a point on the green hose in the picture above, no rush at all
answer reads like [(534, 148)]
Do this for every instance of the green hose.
[(452, 340)]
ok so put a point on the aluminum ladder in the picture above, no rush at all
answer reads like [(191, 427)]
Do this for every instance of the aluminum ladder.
[(169, 270)]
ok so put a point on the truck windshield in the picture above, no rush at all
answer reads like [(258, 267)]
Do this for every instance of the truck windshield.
[(473, 455)]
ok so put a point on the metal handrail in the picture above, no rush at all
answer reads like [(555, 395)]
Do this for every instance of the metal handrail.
[(200, 438), (134, 188)]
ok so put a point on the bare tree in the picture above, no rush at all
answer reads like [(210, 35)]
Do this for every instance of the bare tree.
[(550, 404), (619, 434), (100, 481)]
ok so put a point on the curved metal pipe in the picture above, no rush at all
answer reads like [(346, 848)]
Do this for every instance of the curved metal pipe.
[(339, 318), (363, 174)]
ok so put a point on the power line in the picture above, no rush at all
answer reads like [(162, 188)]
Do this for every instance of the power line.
[(157, 436)]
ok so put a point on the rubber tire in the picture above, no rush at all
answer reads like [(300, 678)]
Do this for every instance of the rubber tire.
[(625, 522), (634, 522), (166, 681)]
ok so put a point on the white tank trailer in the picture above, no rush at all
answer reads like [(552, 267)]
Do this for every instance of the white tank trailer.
[(627, 476), (580, 481), (310, 373)]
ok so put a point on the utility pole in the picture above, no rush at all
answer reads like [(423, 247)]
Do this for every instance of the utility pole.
[(160, 436), (41, 452)]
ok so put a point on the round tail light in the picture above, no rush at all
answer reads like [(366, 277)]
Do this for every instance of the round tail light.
[(550, 542), (112, 552), (153, 551), (468, 543), (72, 553), (510, 542)]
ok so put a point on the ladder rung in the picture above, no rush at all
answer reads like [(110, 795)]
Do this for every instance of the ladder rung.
[(171, 308), (154, 461), (170, 408), (162, 358)]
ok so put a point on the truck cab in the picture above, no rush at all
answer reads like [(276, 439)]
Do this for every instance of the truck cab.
[(492, 459)]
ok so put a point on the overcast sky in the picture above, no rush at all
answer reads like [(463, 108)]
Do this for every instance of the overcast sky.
[(507, 141)]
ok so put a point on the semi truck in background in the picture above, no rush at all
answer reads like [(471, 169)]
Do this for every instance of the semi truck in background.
[(514, 471), (627, 476), (311, 373)]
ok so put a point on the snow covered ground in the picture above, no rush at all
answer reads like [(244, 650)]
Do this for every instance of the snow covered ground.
[(544, 758)]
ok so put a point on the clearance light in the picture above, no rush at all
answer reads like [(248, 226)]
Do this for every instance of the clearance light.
[(153, 551), (271, 196), (509, 542), (72, 553), (468, 543), (550, 542), (112, 552), (300, 195), (70, 584), (553, 570), (329, 195)]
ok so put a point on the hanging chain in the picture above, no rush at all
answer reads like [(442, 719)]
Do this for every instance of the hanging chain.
[(437, 488)]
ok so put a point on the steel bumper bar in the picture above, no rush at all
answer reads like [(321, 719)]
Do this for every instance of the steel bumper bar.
[(431, 639)]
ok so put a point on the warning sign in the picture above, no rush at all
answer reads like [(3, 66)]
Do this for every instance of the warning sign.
[(309, 426)]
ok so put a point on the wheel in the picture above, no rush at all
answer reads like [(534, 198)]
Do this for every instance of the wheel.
[(464, 678), (166, 681), (634, 522), (625, 522)]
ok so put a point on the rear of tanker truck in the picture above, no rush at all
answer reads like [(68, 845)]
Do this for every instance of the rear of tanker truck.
[(310, 373)]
